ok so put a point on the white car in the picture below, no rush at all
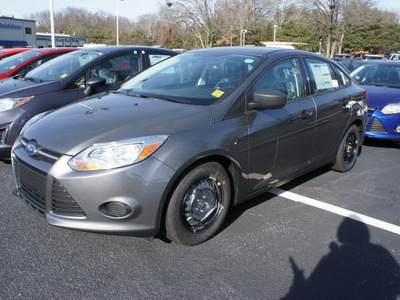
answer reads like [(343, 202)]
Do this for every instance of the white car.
[(394, 56)]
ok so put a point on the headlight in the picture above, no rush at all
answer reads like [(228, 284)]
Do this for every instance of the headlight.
[(116, 154), (393, 108), (33, 120), (10, 103)]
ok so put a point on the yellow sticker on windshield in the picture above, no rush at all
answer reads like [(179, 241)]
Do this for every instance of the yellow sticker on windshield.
[(13, 67), (217, 93), (64, 75)]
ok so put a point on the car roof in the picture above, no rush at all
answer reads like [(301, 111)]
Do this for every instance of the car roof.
[(116, 49), (50, 50), (11, 50), (255, 51), (393, 63)]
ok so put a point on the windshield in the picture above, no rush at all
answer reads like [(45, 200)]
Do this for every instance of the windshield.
[(193, 77), (60, 67), (10, 63), (380, 75)]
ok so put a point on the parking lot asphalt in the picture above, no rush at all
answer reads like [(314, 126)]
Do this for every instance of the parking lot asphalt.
[(270, 247)]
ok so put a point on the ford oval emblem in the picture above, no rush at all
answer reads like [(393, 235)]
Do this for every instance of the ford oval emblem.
[(31, 149)]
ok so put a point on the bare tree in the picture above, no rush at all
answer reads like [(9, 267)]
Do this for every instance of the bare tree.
[(148, 24), (324, 14), (333, 18), (42, 20), (284, 11), (202, 17)]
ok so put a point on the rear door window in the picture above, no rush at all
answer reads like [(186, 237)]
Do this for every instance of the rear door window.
[(323, 78), (156, 58)]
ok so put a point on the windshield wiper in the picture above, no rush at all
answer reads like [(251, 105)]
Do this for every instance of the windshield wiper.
[(124, 92), (160, 98), (128, 92), (33, 79)]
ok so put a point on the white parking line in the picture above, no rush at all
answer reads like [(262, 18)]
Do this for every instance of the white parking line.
[(337, 210)]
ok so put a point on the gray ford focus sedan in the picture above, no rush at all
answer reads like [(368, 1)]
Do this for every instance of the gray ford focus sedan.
[(170, 150)]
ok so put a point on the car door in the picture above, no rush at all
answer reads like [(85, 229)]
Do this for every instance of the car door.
[(113, 69), (281, 140), (332, 99)]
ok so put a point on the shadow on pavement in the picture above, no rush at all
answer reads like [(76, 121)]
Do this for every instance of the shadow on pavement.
[(382, 143), (353, 269)]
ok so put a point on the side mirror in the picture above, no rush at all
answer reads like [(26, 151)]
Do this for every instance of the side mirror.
[(92, 83), (267, 99)]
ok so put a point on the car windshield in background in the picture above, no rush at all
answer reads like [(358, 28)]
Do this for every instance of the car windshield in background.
[(197, 78), (14, 61), (60, 67), (379, 75)]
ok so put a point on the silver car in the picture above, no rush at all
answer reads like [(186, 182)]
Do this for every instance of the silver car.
[(174, 147)]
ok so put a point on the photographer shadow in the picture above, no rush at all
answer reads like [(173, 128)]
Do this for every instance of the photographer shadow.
[(353, 269)]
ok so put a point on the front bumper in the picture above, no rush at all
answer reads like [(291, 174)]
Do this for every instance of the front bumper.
[(76, 200), (5, 147), (381, 126), (11, 123)]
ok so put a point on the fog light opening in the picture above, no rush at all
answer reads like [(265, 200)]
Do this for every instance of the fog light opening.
[(397, 129), (115, 210)]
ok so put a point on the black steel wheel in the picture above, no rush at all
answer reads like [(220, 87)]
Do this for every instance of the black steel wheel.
[(198, 205), (348, 150)]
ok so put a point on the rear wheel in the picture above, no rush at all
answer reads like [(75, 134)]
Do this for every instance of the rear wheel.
[(198, 205), (348, 150)]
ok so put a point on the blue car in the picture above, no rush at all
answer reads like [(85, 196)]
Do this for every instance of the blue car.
[(382, 82)]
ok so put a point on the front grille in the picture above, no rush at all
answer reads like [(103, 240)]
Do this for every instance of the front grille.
[(371, 108), (377, 126), (62, 203), (31, 186), (3, 135), (43, 154)]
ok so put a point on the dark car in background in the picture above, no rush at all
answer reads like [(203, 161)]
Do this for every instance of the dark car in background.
[(4, 53), (174, 147), (21, 63), (66, 79), (350, 64), (382, 82), (343, 56)]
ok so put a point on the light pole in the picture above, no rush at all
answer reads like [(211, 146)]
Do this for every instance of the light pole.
[(320, 45), (118, 21), (243, 37), (53, 38), (275, 26)]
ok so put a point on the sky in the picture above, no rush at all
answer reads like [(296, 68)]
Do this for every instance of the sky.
[(127, 8)]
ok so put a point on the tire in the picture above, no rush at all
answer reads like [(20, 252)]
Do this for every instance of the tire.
[(348, 150), (198, 205)]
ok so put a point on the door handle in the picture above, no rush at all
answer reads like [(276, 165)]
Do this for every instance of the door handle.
[(305, 114)]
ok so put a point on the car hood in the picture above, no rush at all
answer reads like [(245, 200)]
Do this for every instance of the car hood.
[(114, 117), (379, 96), (19, 87)]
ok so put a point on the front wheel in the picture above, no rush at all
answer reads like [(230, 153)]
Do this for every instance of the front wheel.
[(198, 205), (348, 150)]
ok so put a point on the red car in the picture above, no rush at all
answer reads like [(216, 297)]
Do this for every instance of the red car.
[(11, 51), (21, 63)]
